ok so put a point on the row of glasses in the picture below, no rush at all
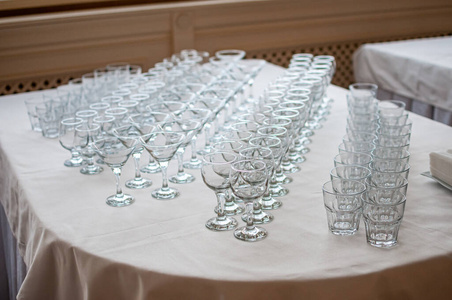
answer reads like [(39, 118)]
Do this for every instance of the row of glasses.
[(373, 154)]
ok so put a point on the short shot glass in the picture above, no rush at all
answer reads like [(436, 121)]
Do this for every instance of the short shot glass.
[(343, 204)]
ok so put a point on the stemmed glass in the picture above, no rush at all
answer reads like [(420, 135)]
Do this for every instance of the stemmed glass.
[(85, 136), (162, 146), (134, 131), (265, 154), (276, 139), (249, 181), (189, 128), (215, 172), (157, 119), (115, 152), (68, 141)]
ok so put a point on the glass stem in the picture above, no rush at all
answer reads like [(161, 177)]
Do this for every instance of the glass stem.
[(136, 160), (164, 168), (221, 197), (180, 160), (117, 172), (249, 218), (193, 148), (207, 135)]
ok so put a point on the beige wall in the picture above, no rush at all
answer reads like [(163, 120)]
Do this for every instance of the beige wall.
[(40, 51)]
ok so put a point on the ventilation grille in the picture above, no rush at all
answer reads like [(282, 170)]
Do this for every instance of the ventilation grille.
[(343, 53)]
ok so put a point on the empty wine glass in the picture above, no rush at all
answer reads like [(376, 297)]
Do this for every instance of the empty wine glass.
[(265, 154), (85, 136), (249, 181), (215, 172), (162, 146), (115, 153), (68, 141)]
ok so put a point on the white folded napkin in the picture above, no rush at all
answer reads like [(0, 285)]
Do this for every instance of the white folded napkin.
[(441, 165)]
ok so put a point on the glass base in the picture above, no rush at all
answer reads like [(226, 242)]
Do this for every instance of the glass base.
[(182, 178), (120, 201), (271, 204), (165, 194), (73, 163), (151, 168), (283, 179), (290, 168), (250, 234), (279, 191), (205, 151), (138, 183), (193, 164), (260, 217), (297, 159), (221, 224), (231, 209), (94, 170)]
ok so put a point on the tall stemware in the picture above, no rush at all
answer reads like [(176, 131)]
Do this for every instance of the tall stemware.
[(215, 172), (162, 145), (249, 181), (115, 153), (265, 154), (68, 141), (189, 128), (134, 131), (85, 136)]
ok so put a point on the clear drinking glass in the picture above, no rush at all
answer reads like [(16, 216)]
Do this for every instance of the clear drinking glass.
[(115, 153), (343, 204), (162, 146), (68, 141), (383, 218), (85, 136), (215, 172), (249, 181)]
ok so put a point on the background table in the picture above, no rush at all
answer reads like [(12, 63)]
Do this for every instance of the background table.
[(77, 247), (418, 72)]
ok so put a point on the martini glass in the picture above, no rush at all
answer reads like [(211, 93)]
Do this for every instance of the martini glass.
[(162, 145), (115, 153)]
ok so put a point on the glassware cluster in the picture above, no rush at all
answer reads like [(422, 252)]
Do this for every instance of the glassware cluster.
[(249, 143), (370, 174)]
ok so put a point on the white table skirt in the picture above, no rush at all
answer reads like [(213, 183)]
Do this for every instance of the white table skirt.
[(77, 247), (418, 71)]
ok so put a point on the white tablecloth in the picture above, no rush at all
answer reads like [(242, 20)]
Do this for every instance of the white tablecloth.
[(77, 247), (419, 70)]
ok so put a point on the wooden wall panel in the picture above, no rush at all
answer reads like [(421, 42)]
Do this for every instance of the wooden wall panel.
[(55, 47)]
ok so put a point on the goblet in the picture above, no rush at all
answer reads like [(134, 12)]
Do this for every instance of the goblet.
[(265, 154), (215, 172), (162, 145), (274, 138), (249, 181), (115, 153), (68, 141), (85, 136)]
